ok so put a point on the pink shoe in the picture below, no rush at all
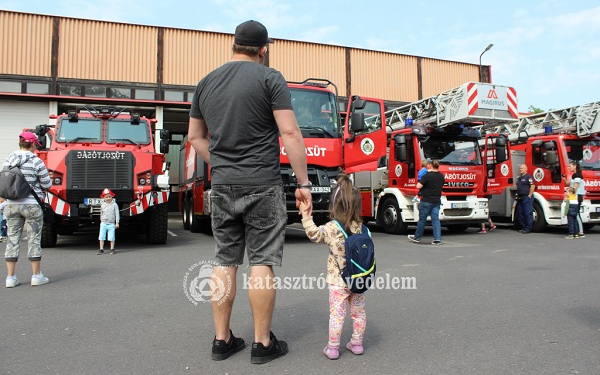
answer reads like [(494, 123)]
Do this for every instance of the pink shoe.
[(355, 348), (331, 352), (492, 228)]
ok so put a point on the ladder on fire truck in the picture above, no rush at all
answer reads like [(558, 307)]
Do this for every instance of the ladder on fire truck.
[(471, 104), (582, 120)]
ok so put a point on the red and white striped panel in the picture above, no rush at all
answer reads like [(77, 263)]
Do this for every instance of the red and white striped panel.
[(59, 206), (472, 99), (511, 94), (140, 205)]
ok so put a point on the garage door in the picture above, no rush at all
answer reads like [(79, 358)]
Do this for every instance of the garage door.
[(16, 115)]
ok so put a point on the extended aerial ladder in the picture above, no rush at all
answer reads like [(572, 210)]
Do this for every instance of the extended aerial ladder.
[(439, 127), (471, 104), (582, 120)]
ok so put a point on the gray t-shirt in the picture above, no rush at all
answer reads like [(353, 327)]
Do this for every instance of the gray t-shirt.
[(237, 101)]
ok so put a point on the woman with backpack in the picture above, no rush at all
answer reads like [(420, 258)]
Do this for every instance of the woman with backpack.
[(26, 212), (345, 208)]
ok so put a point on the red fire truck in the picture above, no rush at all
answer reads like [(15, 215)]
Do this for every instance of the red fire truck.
[(439, 127), (104, 147), (327, 147), (546, 143)]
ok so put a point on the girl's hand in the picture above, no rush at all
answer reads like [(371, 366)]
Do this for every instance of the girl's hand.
[(304, 208)]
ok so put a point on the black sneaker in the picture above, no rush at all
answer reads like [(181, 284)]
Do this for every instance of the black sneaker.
[(222, 350), (100, 252), (112, 251), (261, 354)]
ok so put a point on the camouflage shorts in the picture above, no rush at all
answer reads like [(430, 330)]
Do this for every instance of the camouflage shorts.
[(23, 219)]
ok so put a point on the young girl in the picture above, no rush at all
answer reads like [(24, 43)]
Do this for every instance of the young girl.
[(109, 220), (572, 213), (346, 208)]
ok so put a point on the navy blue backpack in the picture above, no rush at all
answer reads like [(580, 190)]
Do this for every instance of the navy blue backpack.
[(359, 273)]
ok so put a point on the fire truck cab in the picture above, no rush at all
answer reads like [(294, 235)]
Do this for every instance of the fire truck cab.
[(104, 147)]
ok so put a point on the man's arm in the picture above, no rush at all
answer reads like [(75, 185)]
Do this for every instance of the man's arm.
[(419, 185), (198, 138), (531, 190), (291, 136)]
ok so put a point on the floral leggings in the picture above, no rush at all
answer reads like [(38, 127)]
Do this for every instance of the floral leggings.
[(337, 312)]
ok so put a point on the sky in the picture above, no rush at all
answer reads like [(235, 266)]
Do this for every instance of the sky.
[(549, 51)]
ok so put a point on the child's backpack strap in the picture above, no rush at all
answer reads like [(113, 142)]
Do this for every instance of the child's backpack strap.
[(341, 227)]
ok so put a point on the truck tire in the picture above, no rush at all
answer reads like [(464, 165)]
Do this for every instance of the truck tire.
[(158, 220), (195, 223), (390, 218), (186, 214), (539, 219), (49, 235), (457, 228)]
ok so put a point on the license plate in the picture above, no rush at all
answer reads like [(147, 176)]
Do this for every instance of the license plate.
[(320, 189), (459, 205), (92, 201)]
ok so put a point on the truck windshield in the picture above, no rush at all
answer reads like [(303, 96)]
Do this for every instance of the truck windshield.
[(119, 131), (586, 152), (84, 130), (451, 152), (316, 113)]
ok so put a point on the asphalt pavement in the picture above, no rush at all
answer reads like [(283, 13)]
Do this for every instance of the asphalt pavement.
[(495, 303)]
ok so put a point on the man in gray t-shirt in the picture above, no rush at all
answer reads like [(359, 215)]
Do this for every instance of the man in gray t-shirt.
[(237, 114)]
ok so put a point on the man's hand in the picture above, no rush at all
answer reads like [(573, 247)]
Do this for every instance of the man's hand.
[(304, 196)]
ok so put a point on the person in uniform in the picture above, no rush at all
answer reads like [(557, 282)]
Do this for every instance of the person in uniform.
[(524, 208)]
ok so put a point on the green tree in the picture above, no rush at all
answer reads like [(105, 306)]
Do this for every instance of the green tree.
[(533, 109)]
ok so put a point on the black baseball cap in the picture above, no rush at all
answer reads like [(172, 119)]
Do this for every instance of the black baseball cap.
[(251, 33)]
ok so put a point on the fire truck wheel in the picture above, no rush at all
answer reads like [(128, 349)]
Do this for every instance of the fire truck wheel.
[(195, 223), (390, 218), (186, 214), (158, 218), (539, 219), (49, 235)]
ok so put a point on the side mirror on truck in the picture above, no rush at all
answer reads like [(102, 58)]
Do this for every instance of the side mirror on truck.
[(165, 138), (400, 153), (501, 155)]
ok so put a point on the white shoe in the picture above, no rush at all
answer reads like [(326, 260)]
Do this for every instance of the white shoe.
[(11, 282), (39, 279)]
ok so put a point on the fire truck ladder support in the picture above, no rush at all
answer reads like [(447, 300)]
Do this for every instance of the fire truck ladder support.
[(459, 105), (582, 120)]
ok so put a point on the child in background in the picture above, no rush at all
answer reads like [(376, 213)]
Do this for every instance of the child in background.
[(3, 228), (345, 207), (425, 167), (572, 211), (492, 226), (109, 220)]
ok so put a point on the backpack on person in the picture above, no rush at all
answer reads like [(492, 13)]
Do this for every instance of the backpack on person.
[(359, 273), (13, 184)]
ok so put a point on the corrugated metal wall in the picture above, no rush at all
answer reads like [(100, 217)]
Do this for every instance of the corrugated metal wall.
[(441, 75), (384, 75), (298, 61), (190, 55), (25, 44), (107, 51)]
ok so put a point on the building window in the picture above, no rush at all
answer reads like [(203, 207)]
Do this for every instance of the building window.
[(7, 86), (38, 88), (174, 96), (95, 91), (70, 90), (144, 94), (120, 93)]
